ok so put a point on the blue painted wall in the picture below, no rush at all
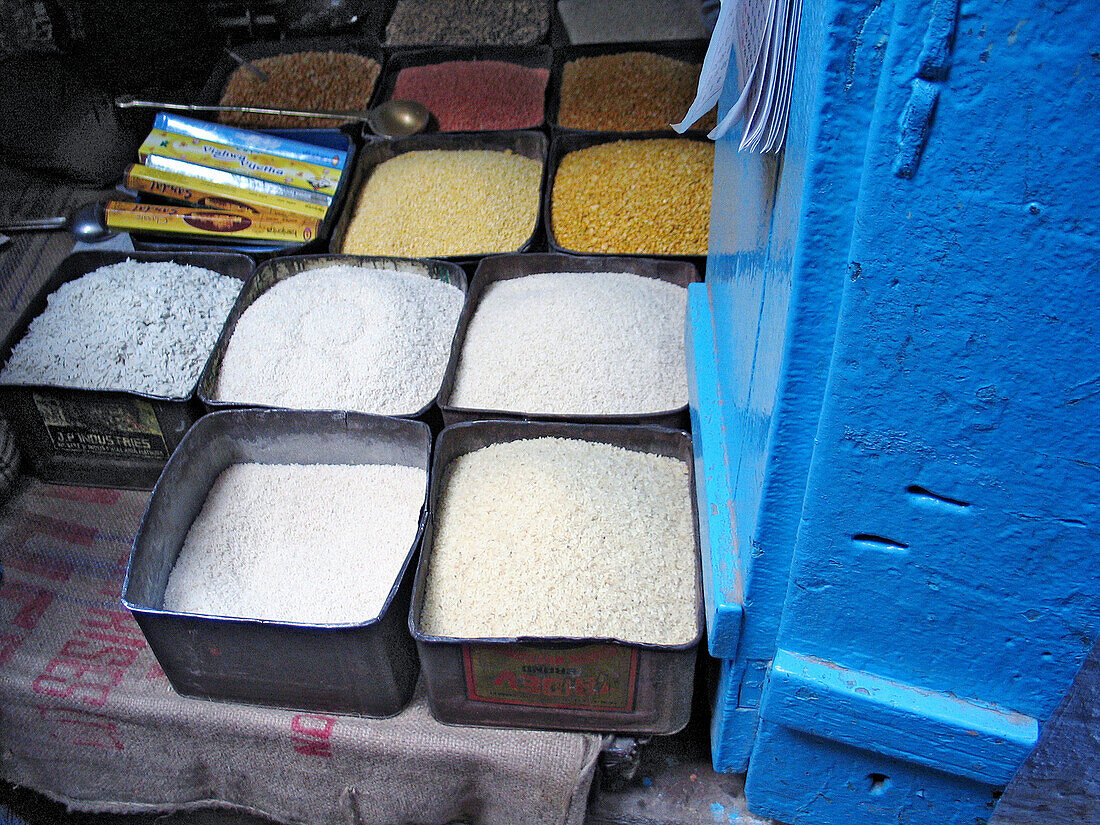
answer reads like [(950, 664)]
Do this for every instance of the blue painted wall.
[(909, 365), (780, 233)]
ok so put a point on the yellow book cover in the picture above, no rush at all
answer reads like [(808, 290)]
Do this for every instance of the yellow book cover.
[(299, 174), (187, 189), (194, 220)]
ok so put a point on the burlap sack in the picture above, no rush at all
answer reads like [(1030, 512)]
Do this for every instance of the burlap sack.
[(87, 717)]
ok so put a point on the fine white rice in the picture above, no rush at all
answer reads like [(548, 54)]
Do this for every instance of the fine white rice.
[(575, 343), (343, 337), (561, 537), (136, 326), (318, 544)]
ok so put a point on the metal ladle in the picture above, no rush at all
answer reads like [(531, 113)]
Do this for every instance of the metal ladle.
[(85, 224), (392, 119)]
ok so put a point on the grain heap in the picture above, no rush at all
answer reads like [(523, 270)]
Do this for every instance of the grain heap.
[(143, 327), (476, 95), (343, 338), (468, 22), (649, 197), (618, 337), (306, 81), (582, 540), (318, 544), (629, 91), (439, 203)]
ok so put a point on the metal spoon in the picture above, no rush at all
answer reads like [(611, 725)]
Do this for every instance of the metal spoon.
[(259, 73), (392, 119), (85, 224)]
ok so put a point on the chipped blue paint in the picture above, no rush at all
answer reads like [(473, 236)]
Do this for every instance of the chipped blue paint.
[(723, 591), (779, 250), (909, 380), (937, 730)]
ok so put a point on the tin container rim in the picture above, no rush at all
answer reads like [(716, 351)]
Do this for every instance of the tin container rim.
[(493, 269), (530, 57), (211, 370), (529, 143), (539, 429), (216, 419), (564, 143), (72, 267)]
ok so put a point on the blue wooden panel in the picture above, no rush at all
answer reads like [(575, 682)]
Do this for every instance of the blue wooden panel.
[(800, 779), (723, 583), (778, 258), (950, 528), (937, 730)]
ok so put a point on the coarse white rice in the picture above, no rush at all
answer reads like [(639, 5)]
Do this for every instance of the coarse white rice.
[(318, 544), (343, 337), (138, 326), (562, 537), (575, 343)]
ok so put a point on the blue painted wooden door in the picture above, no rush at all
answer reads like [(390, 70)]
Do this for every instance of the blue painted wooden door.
[(896, 393)]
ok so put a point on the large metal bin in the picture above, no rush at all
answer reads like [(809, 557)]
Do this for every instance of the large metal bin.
[(275, 270), (368, 668), (506, 267), (566, 142), (101, 438), (529, 144), (483, 681)]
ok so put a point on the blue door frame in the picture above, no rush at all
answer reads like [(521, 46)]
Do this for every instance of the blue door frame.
[(895, 398)]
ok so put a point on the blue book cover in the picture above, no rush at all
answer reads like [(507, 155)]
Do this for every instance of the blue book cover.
[(255, 141)]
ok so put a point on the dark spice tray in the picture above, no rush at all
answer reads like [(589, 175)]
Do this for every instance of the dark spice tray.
[(687, 51), (529, 144), (542, 37), (531, 57), (561, 145), (273, 271), (211, 93), (506, 267)]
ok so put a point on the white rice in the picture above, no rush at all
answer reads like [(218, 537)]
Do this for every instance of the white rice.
[(343, 337), (318, 544), (560, 537), (135, 326), (575, 343)]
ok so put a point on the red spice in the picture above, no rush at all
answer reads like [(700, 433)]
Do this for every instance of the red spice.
[(476, 95)]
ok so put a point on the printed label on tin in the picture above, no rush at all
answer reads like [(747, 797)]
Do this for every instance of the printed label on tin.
[(587, 677), (122, 427)]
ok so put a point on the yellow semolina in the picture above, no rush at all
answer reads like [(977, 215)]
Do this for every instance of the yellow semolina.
[(635, 197), (440, 203)]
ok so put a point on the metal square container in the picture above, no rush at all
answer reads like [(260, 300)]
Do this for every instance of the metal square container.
[(367, 46), (101, 438), (368, 668), (526, 681), (506, 267), (529, 144), (687, 51), (562, 144), (532, 57), (271, 272)]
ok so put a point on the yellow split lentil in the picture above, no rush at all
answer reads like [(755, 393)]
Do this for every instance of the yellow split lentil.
[(634, 197), (629, 91), (440, 202)]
